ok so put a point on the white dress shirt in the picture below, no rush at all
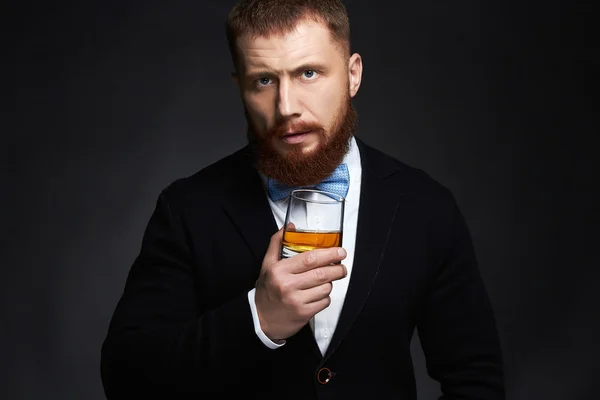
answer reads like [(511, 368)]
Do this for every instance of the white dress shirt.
[(324, 323)]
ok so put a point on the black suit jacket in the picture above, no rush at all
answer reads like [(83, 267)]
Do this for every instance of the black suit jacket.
[(183, 327)]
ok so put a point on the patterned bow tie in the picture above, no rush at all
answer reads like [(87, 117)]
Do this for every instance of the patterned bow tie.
[(337, 183)]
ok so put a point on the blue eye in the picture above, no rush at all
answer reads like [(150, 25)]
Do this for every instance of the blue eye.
[(309, 74), (263, 81)]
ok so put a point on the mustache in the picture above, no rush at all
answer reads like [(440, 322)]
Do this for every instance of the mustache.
[(294, 126)]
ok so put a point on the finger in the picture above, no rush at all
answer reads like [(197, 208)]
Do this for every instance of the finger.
[(318, 306), (321, 275), (315, 293), (316, 258), (274, 249)]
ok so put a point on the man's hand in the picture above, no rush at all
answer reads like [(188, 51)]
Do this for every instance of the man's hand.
[(291, 291)]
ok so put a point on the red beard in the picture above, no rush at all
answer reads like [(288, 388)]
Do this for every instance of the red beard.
[(296, 168)]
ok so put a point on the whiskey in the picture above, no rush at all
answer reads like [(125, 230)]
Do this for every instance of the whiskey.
[(296, 242)]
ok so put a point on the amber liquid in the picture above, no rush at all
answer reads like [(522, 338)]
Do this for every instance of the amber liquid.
[(296, 242)]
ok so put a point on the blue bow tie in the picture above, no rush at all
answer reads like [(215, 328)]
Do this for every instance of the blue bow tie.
[(337, 183)]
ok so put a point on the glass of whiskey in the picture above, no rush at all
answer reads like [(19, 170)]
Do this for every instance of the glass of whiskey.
[(314, 220)]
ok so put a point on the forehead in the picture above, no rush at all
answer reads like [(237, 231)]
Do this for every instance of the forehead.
[(309, 39)]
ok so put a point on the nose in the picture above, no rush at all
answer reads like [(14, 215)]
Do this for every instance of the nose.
[(288, 103)]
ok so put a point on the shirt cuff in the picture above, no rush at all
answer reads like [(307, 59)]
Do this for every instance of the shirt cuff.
[(261, 335)]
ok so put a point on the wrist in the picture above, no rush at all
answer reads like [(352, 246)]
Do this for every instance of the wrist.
[(265, 328)]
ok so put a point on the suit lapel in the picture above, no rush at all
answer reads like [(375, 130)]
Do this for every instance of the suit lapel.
[(248, 208), (378, 205)]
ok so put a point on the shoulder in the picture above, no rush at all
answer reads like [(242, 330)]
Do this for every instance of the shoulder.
[(427, 200), (405, 178), (211, 182)]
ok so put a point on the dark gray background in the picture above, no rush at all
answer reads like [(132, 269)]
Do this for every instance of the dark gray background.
[(113, 100)]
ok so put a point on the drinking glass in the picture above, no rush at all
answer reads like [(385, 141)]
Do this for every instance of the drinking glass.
[(314, 220)]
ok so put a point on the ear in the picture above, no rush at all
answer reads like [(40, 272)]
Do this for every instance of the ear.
[(355, 69)]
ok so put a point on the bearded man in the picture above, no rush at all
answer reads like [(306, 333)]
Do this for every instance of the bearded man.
[(210, 308)]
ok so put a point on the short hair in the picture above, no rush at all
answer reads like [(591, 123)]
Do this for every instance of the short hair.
[(275, 17)]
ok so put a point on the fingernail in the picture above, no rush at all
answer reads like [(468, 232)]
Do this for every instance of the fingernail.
[(342, 252)]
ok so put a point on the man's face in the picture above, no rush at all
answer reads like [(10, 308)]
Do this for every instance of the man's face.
[(296, 89)]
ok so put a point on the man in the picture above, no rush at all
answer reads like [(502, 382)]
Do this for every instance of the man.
[(210, 309)]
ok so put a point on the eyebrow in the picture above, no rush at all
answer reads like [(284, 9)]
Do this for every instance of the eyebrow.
[(262, 70)]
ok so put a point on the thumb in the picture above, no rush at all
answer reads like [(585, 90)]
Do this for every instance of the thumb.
[(274, 250)]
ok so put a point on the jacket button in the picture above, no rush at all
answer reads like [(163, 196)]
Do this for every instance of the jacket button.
[(324, 376)]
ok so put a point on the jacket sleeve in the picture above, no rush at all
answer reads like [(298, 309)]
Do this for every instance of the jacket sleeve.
[(456, 323), (159, 343)]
